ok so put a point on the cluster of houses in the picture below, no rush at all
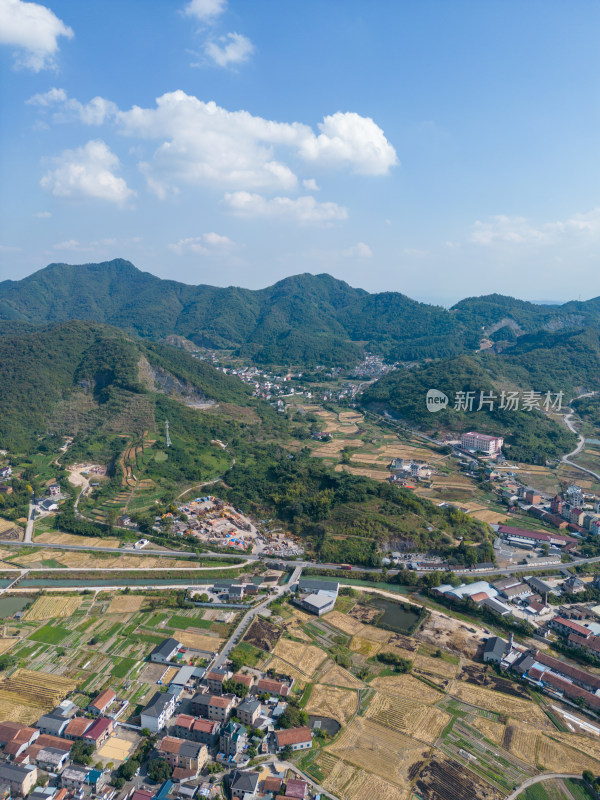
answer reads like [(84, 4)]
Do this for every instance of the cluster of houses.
[(5, 475), (525, 598), (403, 471), (29, 752)]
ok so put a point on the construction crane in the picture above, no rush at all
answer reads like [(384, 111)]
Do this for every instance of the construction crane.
[(168, 438)]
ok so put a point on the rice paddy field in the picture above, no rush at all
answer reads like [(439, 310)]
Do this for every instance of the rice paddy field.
[(431, 733), (77, 643)]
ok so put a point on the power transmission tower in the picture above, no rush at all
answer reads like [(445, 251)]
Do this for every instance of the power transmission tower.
[(167, 430)]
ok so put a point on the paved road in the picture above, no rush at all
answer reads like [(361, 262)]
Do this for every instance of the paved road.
[(539, 779), (568, 418), (29, 527), (249, 616)]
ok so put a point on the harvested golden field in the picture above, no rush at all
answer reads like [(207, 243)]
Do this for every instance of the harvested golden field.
[(169, 675), (199, 641), (365, 647), (353, 783), (407, 686), (125, 604), (52, 606), (374, 474), (56, 537), (7, 525), (553, 756), (333, 448), (6, 644), (335, 675), (343, 622), (523, 710), (282, 667), (26, 695), (436, 665), (327, 701), (407, 716), (494, 731), (350, 416), (521, 740), (493, 517), (586, 744), (305, 657), (385, 752)]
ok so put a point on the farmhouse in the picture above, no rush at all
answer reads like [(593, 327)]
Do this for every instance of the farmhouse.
[(495, 649), (165, 651), (158, 711), (244, 784), (77, 727), (102, 702), (273, 687), (296, 738), (249, 711), (20, 780), (99, 731), (183, 753)]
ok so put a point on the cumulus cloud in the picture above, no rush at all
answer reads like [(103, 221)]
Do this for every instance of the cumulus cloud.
[(34, 31), (359, 250), (301, 209), (310, 185), (88, 171), (352, 140), (205, 143), (96, 112), (207, 244), (501, 229), (43, 214), (228, 50), (205, 10)]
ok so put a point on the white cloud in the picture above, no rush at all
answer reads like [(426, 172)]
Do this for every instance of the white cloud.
[(207, 244), (70, 244), (359, 250), (352, 140), (34, 30), (96, 112), (43, 214), (6, 248), (203, 143), (310, 185), (302, 209), (205, 10), (233, 48), (88, 171), (414, 252), (501, 229)]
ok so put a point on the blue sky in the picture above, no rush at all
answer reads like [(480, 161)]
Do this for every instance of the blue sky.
[(442, 149)]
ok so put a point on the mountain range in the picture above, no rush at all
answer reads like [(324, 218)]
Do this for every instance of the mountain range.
[(305, 319)]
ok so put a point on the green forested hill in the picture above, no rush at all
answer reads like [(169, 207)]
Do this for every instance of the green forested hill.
[(79, 377), (304, 319), (565, 361)]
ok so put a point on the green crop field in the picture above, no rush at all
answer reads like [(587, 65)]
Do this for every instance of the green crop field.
[(50, 634), (123, 667), (188, 622)]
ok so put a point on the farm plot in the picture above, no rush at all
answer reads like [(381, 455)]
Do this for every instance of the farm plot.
[(389, 754), (587, 744), (327, 701), (281, 667), (262, 634), (199, 641), (305, 658), (55, 537), (443, 779), (407, 716), (125, 604), (522, 741), (353, 783), (524, 710), (52, 606), (335, 675), (333, 448), (344, 623), (554, 755), (365, 647), (6, 644), (493, 731), (407, 686), (27, 694), (374, 474), (436, 665)]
